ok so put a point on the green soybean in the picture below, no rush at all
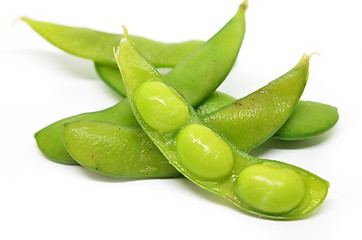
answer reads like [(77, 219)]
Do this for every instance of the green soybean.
[(315, 188), (203, 152), (272, 189), (160, 107), (196, 84), (98, 46)]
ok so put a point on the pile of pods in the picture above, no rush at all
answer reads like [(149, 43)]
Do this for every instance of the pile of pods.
[(176, 124)]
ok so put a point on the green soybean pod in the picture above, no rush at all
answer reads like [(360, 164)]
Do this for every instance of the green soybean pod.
[(126, 151), (309, 119), (98, 46), (49, 139), (194, 147), (260, 114)]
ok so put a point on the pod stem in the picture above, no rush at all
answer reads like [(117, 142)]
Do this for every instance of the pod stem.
[(23, 18), (306, 57)]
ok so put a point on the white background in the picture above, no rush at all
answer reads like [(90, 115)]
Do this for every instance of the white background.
[(40, 84)]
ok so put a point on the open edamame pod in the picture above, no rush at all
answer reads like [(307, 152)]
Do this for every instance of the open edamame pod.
[(195, 83), (98, 46), (262, 187)]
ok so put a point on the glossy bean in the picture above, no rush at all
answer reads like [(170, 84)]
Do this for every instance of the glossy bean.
[(271, 189), (315, 188), (203, 152), (160, 106)]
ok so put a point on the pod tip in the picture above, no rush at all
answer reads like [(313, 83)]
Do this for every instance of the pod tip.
[(125, 32), (314, 53), (243, 6)]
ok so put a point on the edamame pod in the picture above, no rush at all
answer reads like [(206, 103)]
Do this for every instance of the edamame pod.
[(309, 119), (98, 46), (260, 114), (125, 152), (49, 139), (194, 147)]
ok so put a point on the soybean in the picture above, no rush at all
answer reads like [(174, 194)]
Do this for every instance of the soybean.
[(160, 107), (203, 152), (272, 189)]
